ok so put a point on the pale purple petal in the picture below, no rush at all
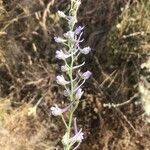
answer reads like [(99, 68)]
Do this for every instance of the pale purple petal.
[(69, 35), (60, 55), (86, 75), (77, 137), (79, 94), (85, 50), (59, 40), (78, 30), (79, 40), (56, 111), (61, 80)]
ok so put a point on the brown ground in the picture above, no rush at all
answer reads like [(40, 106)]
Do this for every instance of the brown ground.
[(28, 69)]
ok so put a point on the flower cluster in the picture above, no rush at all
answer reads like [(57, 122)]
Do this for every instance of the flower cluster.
[(72, 78), (77, 138), (73, 40)]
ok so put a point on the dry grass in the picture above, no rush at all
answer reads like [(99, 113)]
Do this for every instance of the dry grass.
[(19, 131)]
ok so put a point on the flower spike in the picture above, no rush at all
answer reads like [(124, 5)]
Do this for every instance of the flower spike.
[(72, 80)]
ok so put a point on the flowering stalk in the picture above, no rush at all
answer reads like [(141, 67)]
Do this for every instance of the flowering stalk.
[(72, 79)]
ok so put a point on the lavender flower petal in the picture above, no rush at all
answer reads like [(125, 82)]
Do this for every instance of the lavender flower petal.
[(59, 40), (61, 80), (69, 35), (78, 137), (56, 111), (79, 94), (85, 50), (86, 75), (61, 55), (78, 30)]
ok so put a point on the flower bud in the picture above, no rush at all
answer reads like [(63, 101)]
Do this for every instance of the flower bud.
[(61, 14), (78, 30), (59, 40), (64, 68), (66, 93), (86, 75), (79, 93)]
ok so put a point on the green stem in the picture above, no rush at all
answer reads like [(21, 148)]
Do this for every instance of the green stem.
[(71, 92), (64, 121), (67, 147), (73, 11)]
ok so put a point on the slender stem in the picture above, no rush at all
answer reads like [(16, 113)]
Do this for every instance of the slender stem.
[(64, 121), (71, 44), (67, 147), (71, 92)]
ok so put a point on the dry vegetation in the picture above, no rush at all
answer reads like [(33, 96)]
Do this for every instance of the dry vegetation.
[(119, 34)]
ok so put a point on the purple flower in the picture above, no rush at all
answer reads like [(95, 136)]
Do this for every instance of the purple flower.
[(56, 111), (79, 40), (85, 50), (61, 55), (79, 93), (76, 131), (86, 75), (77, 138), (69, 35), (61, 80), (59, 40), (78, 30)]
